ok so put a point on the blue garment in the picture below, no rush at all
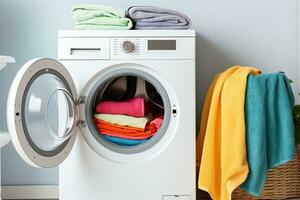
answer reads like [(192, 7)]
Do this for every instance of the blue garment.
[(270, 135), (124, 142)]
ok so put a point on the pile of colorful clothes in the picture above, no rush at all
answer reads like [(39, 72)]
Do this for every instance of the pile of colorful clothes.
[(126, 122)]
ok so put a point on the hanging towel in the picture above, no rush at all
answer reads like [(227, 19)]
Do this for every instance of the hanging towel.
[(89, 17), (149, 17), (221, 141), (135, 107), (125, 120), (124, 142), (270, 132), (127, 132)]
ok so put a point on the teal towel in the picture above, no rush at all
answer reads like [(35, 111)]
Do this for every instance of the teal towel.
[(89, 17), (270, 133), (124, 142)]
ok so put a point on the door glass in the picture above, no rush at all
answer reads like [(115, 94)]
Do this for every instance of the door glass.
[(49, 112)]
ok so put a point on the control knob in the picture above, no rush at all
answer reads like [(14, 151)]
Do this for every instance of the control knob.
[(128, 46)]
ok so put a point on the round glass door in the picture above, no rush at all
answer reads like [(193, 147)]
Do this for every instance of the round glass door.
[(49, 112), (41, 112)]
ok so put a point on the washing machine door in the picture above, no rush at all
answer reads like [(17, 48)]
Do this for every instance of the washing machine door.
[(42, 112)]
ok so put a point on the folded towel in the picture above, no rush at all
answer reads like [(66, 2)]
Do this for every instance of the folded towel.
[(125, 120), (270, 128), (221, 145), (127, 132), (90, 11), (89, 17), (124, 142), (135, 107), (149, 17), (104, 23)]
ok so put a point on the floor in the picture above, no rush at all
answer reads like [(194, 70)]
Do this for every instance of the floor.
[(201, 195), (57, 199), (197, 199)]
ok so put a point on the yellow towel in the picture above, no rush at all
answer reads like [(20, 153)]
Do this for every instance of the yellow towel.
[(221, 145), (125, 120)]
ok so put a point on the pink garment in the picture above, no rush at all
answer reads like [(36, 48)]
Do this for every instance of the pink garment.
[(134, 107)]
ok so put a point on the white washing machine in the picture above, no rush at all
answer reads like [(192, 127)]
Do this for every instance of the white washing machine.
[(51, 106)]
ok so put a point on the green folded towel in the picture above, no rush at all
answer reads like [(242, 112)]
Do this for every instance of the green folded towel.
[(103, 23), (89, 17), (89, 11), (270, 133)]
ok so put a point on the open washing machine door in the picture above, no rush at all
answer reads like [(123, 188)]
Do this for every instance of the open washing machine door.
[(42, 112)]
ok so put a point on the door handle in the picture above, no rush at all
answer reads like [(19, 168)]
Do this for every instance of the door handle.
[(85, 51)]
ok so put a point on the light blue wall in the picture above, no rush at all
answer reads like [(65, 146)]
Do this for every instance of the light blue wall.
[(249, 32)]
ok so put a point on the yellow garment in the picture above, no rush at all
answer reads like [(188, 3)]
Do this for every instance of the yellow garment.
[(221, 144), (125, 120)]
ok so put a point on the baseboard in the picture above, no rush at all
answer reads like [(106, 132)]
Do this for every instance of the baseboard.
[(30, 192)]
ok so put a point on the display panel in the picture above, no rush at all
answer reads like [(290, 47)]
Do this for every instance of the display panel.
[(161, 44)]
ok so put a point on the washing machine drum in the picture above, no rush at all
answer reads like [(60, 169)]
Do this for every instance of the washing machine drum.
[(120, 88), (125, 87), (116, 102)]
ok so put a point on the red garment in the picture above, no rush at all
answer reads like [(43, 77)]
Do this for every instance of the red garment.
[(128, 132)]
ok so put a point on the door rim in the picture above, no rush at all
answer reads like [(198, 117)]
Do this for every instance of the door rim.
[(15, 107), (138, 156)]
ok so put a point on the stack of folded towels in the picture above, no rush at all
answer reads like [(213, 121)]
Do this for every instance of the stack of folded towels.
[(99, 17), (126, 122)]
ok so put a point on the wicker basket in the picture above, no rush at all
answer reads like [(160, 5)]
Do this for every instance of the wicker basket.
[(202, 195), (282, 183)]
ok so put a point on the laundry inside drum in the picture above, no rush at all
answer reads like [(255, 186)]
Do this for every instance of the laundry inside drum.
[(128, 111)]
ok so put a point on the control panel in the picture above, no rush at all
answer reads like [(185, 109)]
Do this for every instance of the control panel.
[(128, 48), (152, 48)]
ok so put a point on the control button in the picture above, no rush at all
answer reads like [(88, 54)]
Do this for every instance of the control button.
[(127, 46)]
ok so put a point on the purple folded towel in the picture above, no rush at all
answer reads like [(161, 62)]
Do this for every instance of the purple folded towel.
[(149, 17)]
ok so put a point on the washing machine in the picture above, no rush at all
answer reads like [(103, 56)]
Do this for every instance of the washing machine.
[(51, 107)]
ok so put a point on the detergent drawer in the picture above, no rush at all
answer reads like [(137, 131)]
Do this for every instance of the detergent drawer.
[(177, 197), (83, 48)]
